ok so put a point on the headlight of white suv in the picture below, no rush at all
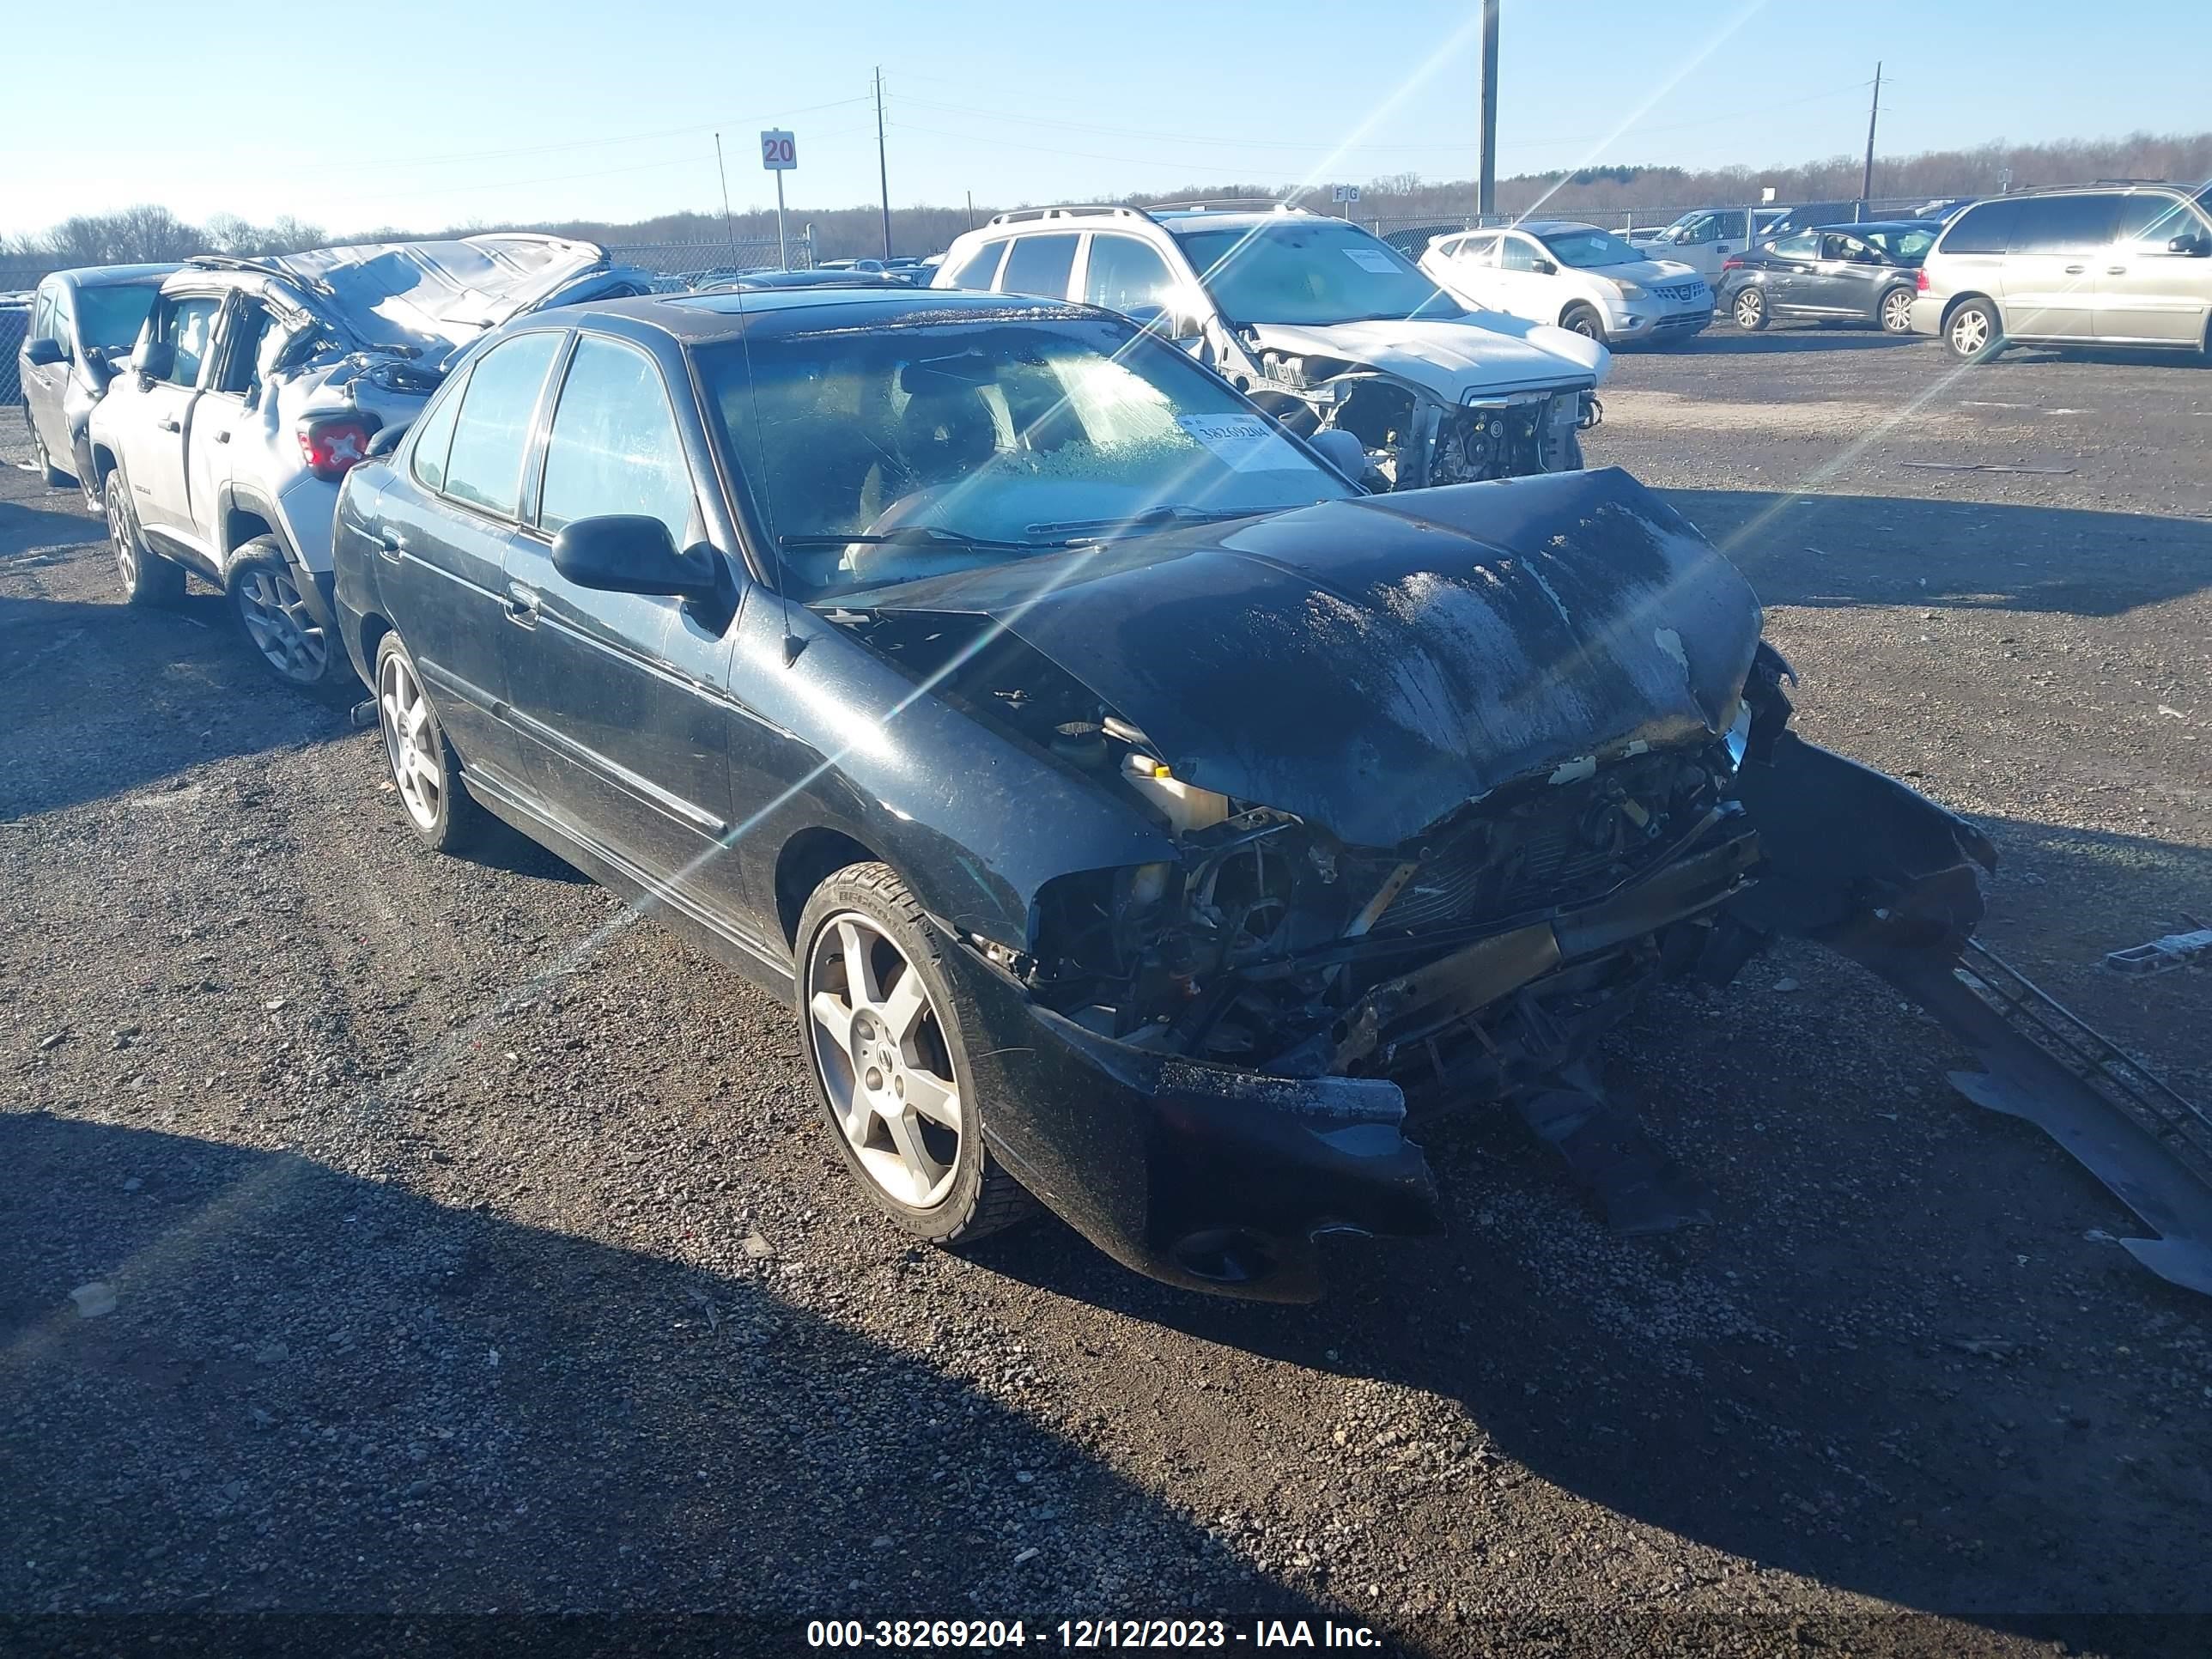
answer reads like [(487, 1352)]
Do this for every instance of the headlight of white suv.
[(1629, 290)]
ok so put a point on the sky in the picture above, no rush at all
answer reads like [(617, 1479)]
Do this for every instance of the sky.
[(424, 113)]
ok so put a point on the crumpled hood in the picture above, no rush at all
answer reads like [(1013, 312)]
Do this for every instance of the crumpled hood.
[(438, 297), (1486, 352), (1370, 665)]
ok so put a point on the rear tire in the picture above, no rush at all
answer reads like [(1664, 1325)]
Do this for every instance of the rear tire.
[(51, 476), (298, 651), (150, 580), (425, 771), (1583, 320), (876, 1049), (1748, 310), (1894, 311), (1974, 333)]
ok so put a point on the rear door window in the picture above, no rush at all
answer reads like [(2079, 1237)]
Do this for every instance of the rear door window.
[(491, 434), (613, 447), (2066, 224), (1039, 265), (1479, 251)]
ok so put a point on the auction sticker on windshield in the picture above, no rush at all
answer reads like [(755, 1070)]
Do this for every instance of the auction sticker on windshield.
[(1246, 443), (1371, 259)]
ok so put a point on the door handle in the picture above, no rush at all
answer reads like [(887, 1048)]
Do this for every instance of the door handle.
[(2076, 271), (222, 437), (2116, 271), (521, 604), (389, 546), (171, 426)]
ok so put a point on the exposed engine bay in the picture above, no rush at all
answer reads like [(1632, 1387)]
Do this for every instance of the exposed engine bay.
[(1483, 955), (1410, 437)]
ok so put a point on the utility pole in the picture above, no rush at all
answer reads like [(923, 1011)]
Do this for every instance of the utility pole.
[(883, 167), (1866, 180), (1486, 200), (729, 229)]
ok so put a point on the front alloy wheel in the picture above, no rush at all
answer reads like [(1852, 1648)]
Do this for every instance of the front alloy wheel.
[(881, 1024), (147, 577), (880, 1044)]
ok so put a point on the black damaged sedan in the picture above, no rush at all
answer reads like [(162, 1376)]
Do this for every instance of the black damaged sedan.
[(1136, 814)]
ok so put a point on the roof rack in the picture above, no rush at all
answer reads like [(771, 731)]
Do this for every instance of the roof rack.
[(1102, 210), (2134, 181), (1228, 205)]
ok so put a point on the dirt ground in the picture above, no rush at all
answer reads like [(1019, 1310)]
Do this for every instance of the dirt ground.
[(475, 1249)]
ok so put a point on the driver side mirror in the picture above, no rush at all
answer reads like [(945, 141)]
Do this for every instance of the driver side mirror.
[(631, 553), (43, 354), (1176, 329), (1544, 268), (385, 440), (2194, 245), (154, 362)]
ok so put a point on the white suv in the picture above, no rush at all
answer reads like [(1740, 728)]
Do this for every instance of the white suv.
[(1320, 324), (1584, 279), (257, 383)]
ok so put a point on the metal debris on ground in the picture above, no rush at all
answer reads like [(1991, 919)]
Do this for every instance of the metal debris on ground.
[(2165, 952)]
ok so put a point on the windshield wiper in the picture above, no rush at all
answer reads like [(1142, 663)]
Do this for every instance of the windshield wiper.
[(1150, 518), (928, 534)]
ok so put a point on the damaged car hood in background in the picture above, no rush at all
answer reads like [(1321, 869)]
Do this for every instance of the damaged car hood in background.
[(1486, 354), (1370, 665), (438, 297)]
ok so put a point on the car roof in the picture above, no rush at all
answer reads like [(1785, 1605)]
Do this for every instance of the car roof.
[(114, 276), (1183, 218), (1875, 224), (702, 319), (1554, 227)]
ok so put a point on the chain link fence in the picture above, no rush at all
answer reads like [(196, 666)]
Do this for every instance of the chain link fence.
[(695, 264), (1411, 233)]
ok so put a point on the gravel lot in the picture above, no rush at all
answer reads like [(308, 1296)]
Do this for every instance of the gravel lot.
[(475, 1249)]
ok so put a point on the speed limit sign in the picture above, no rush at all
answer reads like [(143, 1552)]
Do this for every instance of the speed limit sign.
[(779, 153)]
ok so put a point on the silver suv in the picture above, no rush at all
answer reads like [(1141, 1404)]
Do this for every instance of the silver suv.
[(2122, 263), (257, 383), (1326, 327)]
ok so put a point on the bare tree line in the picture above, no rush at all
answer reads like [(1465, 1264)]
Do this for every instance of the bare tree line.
[(148, 233)]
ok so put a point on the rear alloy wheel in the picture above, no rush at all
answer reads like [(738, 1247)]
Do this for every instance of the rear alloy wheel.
[(148, 579), (1749, 310), (425, 772), (1585, 321), (1896, 311), (294, 647), (1973, 333), (878, 1021)]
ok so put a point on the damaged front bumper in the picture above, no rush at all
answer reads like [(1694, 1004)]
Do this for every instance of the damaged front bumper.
[(1199, 1175)]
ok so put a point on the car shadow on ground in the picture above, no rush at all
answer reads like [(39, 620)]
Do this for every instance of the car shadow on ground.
[(321, 1392), (1829, 551), (1779, 1384), (27, 529), (106, 699)]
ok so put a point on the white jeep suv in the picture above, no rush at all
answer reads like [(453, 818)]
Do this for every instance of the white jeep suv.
[(257, 383), (1320, 324)]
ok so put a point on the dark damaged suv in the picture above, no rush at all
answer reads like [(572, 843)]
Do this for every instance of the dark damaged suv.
[(1135, 812)]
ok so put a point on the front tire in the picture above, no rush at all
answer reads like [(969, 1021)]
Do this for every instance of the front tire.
[(1894, 313), (150, 580), (1974, 334), (1748, 310), (297, 650), (1583, 320), (425, 771), (880, 1024)]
